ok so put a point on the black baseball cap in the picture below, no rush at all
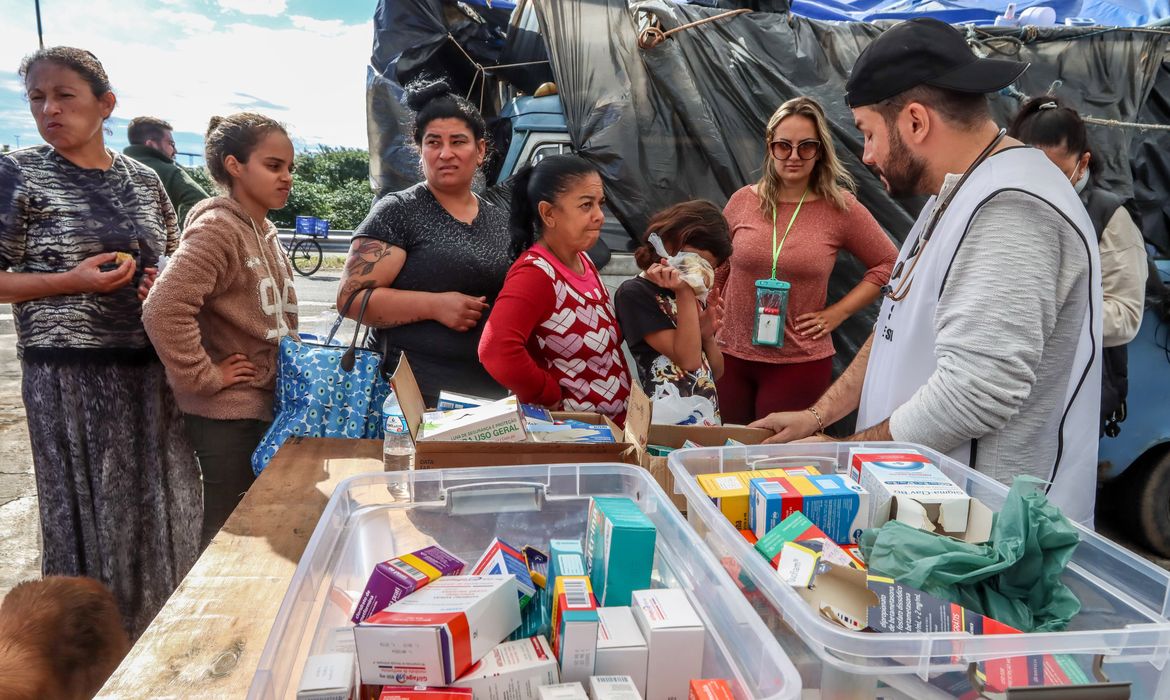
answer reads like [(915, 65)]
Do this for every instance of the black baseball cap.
[(924, 51)]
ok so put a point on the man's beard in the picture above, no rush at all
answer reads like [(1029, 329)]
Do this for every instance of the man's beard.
[(904, 173)]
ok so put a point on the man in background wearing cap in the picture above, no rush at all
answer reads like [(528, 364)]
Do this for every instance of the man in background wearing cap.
[(988, 343)]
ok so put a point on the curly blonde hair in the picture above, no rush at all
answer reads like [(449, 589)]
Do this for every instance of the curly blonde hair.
[(829, 179)]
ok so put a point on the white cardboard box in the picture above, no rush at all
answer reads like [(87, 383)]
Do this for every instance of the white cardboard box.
[(613, 688), (513, 671), (621, 648), (675, 636), (414, 641), (498, 421), (327, 677), (890, 474), (563, 691)]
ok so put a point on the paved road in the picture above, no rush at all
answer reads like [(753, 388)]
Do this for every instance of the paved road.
[(19, 536)]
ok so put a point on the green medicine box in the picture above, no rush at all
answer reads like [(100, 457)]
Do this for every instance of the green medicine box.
[(619, 550)]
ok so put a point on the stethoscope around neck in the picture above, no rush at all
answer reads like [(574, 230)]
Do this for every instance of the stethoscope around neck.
[(919, 249)]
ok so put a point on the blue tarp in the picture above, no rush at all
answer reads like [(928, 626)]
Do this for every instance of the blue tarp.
[(1110, 13)]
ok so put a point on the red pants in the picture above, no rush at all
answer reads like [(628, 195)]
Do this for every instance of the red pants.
[(750, 390)]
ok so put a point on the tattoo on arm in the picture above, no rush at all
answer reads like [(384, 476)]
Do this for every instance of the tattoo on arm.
[(353, 286), (366, 256)]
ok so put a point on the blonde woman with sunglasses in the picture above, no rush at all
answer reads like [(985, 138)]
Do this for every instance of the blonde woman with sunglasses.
[(787, 229)]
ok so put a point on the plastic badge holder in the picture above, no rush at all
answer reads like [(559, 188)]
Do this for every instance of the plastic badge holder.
[(1123, 624), (771, 309), (375, 516)]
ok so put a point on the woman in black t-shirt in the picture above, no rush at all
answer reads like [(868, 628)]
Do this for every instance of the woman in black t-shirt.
[(670, 332), (436, 254)]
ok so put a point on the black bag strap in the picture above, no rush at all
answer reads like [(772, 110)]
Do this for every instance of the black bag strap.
[(350, 355)]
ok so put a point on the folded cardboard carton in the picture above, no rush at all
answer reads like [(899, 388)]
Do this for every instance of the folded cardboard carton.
[(621, 648), (896, 481), (675, 636), (498, 421), (396, 578), (434, 454), (642, 432)]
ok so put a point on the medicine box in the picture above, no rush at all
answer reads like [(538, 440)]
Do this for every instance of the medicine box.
[(395, 692), (574, 627), (619, 549), (513, 670), (434, 635), (887, 475), (794, 529), (501, 559), (834, 503), (327, 677), (613, 688), (675, 636), (566, 558), (710, 689), (451, 401), (563, 691), (729, 490), (621, 648), (394, 579), (498, 421)]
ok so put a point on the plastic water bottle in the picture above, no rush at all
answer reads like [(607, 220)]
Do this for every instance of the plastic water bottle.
[(397, 446)]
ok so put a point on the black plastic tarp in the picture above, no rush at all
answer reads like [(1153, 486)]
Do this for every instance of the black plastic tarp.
[(686, 119)]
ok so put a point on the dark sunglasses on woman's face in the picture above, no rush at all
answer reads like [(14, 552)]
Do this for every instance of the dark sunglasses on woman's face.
[(805, 150)]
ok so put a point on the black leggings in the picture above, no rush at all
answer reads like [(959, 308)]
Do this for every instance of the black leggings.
[(224, 449)]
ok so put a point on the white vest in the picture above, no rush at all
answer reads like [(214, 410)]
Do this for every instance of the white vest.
[(903, 358)]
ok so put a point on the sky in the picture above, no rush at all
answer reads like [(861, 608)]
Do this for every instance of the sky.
[(302, 62)]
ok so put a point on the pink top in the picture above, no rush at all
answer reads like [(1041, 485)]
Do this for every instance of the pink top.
[(553, 339), (806, 261)]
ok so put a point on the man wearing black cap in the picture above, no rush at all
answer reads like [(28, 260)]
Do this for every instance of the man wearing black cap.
[(988, 343)]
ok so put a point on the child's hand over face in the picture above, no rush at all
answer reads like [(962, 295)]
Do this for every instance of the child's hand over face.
[(667, 277)]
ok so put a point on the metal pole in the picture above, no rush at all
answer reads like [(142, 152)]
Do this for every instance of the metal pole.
[(40, 31)]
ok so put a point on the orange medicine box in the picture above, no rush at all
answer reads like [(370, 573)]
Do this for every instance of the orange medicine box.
[(710, 689)]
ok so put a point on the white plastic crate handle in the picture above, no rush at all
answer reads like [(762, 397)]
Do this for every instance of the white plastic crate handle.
[(494, 497)]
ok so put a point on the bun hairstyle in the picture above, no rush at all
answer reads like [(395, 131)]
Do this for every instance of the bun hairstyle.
[(543, 181), (1048, 122), (431, 99), (697, 223), (79, 61), (235, 135)]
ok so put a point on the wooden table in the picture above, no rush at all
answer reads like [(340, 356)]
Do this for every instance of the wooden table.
[(206, 641)]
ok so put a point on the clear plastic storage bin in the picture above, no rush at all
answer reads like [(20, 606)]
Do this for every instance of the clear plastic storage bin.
[(1123, 623), (373, 517)]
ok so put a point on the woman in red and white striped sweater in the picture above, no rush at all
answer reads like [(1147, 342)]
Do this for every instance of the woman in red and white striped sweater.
[(553, 338)]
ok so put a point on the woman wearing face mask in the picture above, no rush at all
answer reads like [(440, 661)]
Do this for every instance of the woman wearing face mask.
[(435, 254), (1046, 123), (553, 338), (789, 227), (81, 230)]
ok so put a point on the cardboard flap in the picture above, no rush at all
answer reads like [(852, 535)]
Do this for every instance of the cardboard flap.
[(979, 521), (410, 398), (639, 415), (952, 514), (911, 512), (841, 594)]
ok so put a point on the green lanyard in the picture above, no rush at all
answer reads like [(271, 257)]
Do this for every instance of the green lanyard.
[(775, 249)]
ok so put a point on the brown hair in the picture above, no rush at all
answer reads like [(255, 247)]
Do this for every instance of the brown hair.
[(235, 135), (829, 178), (143, 129), (79, 61), (697, 223)]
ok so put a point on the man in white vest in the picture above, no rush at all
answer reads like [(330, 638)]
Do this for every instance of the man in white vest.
[(988, 343)]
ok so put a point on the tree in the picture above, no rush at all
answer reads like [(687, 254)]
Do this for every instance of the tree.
[(328, 183)]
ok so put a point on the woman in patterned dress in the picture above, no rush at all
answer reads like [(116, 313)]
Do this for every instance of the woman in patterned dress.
[(553, 337), (81, 231)]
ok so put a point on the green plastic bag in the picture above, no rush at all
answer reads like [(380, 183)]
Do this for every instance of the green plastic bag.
[(1014, 578)]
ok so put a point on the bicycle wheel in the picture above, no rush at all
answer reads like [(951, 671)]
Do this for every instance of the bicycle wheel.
[(306, 256)]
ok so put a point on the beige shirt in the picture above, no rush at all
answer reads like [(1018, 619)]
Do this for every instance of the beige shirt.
[(1123, 278)]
